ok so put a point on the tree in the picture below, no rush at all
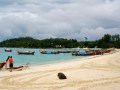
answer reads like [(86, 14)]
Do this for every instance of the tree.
[(86, 38), (106, 41)]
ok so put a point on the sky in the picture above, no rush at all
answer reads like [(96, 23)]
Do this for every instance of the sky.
[(71, 19)]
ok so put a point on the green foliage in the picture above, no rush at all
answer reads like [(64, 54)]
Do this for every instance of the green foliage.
[(107, 41), (28, 42), (58, 43), (19, 42)]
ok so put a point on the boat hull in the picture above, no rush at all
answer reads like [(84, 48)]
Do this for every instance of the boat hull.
[(8, 50), (26, 53), (45, 52)]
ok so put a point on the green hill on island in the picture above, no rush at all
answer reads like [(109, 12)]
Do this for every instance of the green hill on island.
[(107, 41)]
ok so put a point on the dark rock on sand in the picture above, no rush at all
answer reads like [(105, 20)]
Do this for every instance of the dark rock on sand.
[(61, 76)]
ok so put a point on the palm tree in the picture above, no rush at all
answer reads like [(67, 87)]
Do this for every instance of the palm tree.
[(86, 38)]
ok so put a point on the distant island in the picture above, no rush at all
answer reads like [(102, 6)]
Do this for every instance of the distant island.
[(107, 41)]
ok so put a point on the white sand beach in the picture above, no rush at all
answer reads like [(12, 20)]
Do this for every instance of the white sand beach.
[(94, 73)]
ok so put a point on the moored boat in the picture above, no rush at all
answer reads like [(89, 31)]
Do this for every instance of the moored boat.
[(49, 52), (88, 53), (107, 51), (64, 51), (98, 52), (26, 52), (2, 64), (8, 50)]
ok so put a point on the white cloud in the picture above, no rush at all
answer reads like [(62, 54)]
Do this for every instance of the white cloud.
[(59, 18)]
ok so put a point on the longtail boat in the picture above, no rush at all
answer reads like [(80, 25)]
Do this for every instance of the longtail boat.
[(88, 53), (64, 51), (49, 52), (107, 51), (2, 65), (8, 50), (25, 52)]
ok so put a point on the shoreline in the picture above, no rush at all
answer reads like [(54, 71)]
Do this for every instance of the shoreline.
[(92, 73), (63, 62), (74, 60)]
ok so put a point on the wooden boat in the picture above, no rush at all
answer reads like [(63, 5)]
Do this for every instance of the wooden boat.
[(18, 68), (64, 51), (98, 52), (107, 51), (25, 53), (49, 52), (2, 64), (8, 50), (88, 53)]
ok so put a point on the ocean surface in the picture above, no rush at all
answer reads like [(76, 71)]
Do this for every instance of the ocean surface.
[(37, 58)]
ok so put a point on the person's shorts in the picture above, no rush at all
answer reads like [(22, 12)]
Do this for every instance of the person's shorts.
[(11, 65)]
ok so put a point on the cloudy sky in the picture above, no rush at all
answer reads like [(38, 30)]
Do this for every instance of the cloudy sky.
[(74, 19)]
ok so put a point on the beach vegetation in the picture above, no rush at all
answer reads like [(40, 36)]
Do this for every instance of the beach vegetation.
[(107, 41)]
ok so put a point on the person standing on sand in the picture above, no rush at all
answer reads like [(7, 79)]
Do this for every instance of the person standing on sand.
[(11, 63)]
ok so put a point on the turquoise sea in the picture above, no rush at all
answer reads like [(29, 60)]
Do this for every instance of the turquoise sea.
[(37, 58)]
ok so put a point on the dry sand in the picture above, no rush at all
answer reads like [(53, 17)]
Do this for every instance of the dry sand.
[(94, 73)]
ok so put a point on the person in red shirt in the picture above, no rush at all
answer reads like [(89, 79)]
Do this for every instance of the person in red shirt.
[(11, 63)]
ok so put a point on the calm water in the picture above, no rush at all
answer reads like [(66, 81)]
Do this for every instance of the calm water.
[(37, 58)]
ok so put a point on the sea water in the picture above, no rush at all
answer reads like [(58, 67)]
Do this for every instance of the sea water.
[(37, 58)]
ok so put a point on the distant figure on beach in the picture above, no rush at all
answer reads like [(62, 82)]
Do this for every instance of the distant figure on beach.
[(10, 63)]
